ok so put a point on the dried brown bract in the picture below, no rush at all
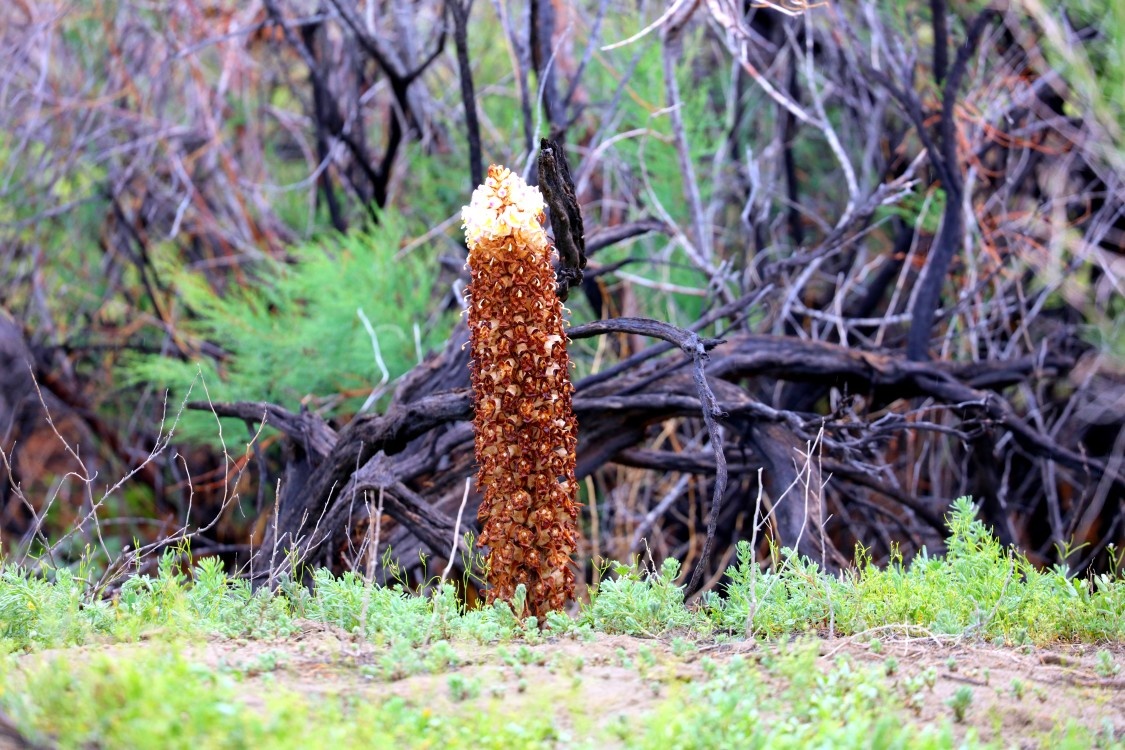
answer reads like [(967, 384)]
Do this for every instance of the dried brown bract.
[(526, 432)]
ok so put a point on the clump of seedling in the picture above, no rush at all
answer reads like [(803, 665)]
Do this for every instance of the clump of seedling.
[(960, 702), (463, 688), (1105, 665)]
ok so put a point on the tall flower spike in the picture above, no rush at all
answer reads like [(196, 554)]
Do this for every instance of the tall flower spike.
[(526, 432)]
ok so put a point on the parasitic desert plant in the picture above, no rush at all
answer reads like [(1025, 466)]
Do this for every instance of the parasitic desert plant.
[(526, 432)]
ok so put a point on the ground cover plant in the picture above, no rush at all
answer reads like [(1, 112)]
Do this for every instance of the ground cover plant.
[(787, 656)]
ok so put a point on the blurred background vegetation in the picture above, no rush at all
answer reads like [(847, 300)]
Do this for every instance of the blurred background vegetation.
[(259, 201)]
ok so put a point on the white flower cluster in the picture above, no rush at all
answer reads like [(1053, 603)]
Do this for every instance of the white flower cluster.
[(503, 206)]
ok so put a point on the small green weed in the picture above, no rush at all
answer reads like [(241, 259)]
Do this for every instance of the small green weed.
[(639, 603), (960, 702), (1017, 688), (462, 688), (1105, 664)]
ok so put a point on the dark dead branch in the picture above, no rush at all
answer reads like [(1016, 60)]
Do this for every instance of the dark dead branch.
[(607, 236), (951, 237), (459, 10), (401, 452)]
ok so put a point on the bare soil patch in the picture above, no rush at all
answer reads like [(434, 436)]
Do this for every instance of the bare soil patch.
[(1019, 694)]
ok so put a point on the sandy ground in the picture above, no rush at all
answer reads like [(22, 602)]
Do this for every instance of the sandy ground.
[(589, 686)]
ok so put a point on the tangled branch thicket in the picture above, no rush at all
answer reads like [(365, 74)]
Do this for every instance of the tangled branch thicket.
[(839, 273)]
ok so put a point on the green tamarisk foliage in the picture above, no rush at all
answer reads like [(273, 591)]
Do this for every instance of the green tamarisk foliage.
[(336, 323)]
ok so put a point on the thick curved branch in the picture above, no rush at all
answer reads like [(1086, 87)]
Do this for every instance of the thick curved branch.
[(953, 221)]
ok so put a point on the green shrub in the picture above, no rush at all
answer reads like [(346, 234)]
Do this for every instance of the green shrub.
[(978, 588), (639, 603), (300, 329)]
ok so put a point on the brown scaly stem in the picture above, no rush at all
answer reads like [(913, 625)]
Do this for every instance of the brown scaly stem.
[(526, 433)]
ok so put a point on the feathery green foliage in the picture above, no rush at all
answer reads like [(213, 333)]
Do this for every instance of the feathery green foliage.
[(300, 329)]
